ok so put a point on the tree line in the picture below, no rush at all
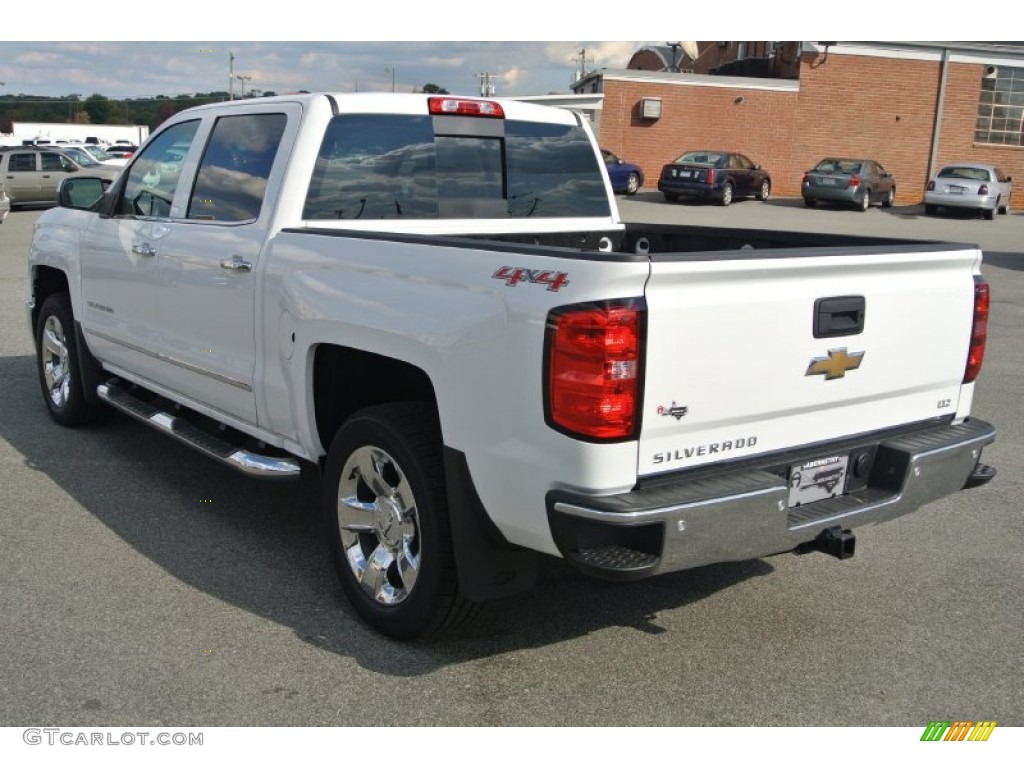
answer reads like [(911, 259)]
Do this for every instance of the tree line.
[(100, 110), (97, 109)]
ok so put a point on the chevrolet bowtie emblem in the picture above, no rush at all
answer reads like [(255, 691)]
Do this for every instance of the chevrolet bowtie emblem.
[(835, 365)]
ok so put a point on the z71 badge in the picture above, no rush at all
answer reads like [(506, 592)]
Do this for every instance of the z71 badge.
[(512, 276)]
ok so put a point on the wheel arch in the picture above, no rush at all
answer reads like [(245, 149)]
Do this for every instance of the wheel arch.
[(346, 380), (46, 281)]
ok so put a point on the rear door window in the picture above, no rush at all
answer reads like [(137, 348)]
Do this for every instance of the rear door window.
[(236, 163), (22, 162)]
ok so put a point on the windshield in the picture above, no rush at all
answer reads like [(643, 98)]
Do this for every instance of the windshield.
[(839, 166), (963, 172), (700, 158), (80, 156), (99, 154)]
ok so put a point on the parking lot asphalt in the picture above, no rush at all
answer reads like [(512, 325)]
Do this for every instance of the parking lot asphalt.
[(141, 584)]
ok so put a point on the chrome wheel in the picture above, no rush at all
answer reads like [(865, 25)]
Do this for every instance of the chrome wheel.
[(727, 194), (386, 515), (56, 365), (865, 200), (766, 188), (632, 184), (889, 199), (379, 524)]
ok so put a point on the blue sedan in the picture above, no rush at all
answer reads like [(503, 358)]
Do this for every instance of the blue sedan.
[(625, 177)]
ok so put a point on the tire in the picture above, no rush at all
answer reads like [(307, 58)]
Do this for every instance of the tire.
[(865, 201), (726, 194), (1005, 210), (989, 214), (810, 202), (930, 210), (889, 198), (671, 197), (60, 372), (765, 190), (386, 518), (632, 184)]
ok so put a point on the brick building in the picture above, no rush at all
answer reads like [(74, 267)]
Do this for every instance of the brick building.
[(912, 106)]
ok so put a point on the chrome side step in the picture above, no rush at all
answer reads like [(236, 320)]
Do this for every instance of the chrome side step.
[(247, 462)]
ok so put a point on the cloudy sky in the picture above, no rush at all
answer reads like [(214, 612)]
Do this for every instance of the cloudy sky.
[(132, 69), (476, 35)]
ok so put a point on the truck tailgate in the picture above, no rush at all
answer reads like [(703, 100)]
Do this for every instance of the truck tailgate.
[(734, 368)]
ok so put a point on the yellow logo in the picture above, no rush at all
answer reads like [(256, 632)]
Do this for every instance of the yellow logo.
[(835, 365)]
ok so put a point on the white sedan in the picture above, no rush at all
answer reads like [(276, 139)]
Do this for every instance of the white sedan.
[(978, 186)]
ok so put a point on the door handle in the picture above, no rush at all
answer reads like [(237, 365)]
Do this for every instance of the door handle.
[(144, 250), (839, 316), (236, 264)]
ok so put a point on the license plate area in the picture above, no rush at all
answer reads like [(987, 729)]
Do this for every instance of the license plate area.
[(827, 181), (956, 190), (818, 479)]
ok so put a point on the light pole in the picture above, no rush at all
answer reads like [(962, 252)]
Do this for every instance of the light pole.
[(392, 71), (243, 78), (231, 76)]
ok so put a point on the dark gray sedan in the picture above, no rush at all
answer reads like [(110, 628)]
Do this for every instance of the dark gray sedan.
[(850, 181)]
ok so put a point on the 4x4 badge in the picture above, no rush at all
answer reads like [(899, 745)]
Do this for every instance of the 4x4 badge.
[(835, 365)]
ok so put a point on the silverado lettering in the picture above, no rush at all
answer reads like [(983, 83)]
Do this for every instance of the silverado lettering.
[(705, 450), (302, 281)]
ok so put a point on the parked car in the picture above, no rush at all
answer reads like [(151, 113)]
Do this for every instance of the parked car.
[(88, 158), (124, 151), (5, 202), (851, 181), (974, 186), (32, 174), (625, 177), (713, 175)]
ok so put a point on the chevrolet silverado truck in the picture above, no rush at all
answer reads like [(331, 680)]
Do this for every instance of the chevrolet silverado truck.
[(434, 301)]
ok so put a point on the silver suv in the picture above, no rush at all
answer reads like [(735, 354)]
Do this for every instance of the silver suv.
[(32, 174)]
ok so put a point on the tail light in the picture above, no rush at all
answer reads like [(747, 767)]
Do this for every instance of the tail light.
[(593, 356), (931, 186), (983, 189), (855, 180), (711, 175), (807, 178), (979, 330), (446, 105)]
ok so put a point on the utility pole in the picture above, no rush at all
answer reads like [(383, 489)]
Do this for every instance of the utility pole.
[(486, 85), (392, 71), (231, 76), (581, 59)]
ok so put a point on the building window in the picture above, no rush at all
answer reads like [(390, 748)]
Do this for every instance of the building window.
[(1001, 107)]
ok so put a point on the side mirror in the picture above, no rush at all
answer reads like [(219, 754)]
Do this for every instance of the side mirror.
[(1009, 178), (81, 192)]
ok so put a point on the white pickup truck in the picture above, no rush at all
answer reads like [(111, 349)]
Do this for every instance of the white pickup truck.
[(434, 300)]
